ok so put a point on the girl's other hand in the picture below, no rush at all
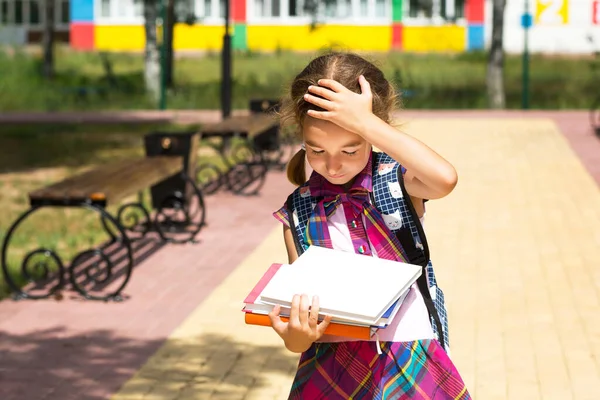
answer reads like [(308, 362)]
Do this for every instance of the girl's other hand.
[(303, 327)]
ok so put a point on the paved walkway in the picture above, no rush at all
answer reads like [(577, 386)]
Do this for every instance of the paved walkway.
[(516, 248)]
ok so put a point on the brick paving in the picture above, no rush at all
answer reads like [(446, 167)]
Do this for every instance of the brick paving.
[(516, 248), (77, 349)]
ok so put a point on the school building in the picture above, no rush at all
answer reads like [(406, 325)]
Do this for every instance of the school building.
[(558, 26)]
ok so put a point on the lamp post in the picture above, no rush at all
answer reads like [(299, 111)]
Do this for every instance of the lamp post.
[(226, 67), (526, 23), (162, 102)]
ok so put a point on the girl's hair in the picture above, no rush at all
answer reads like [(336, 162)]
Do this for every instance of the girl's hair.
[(344, 68)]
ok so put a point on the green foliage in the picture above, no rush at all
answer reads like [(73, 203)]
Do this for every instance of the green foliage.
[(434, 81)]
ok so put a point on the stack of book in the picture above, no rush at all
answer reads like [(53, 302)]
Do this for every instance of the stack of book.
[(363, 294)]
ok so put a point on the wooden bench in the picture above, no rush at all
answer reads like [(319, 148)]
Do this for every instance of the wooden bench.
[(95, 190), (246, 159), (108, 184)]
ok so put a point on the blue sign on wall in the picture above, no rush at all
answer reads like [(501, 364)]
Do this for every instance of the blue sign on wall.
[(526, 20), (475, 38), (82, 10)]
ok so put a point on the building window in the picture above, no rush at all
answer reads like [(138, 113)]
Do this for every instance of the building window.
[(338, 9), (18, 12), (222, 9), (380, 9), (184, 10), (65, 16), (105, 8), (4, 12), (452, 9), (138, 8), (420, 9), (207, 8), (267, 8), (364, 7), (212, 9), (122, 8), (34, 12), (322, 10), (441, 10), (296, 8), (121, 11)]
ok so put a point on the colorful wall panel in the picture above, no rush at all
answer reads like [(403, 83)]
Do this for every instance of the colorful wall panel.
[(82, 10), (82, 36), (82, 24), (475, 37), (302, 37), (239, 40), (208, 37), (397, 36), (88, 35), (119, 38), (434, 38)]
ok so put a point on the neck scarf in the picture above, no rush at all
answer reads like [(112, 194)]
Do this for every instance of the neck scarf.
[(356, 203)]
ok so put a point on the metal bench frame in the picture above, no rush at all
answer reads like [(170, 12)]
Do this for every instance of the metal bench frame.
[(258, 135), (81, 191)]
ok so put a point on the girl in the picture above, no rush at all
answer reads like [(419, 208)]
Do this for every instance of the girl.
[(342, 104)]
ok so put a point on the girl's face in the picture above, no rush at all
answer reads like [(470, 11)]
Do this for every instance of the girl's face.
[(333, 152)]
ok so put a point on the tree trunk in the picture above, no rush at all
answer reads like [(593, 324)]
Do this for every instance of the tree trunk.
[(170, 26), (152, 51), (495, 70), (48, 40)]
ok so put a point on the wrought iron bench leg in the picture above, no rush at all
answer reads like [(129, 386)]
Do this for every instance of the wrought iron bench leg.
[(130, 220), (39, 271), (276, 147), (176, 215), (248, 174), (96, 272), (209, 176)]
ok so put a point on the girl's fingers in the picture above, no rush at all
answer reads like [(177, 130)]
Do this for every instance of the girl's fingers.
[(303, 316), (323, 325), (295, 310), (365, 86), (326, 115), (276, 322), (317, 101), (322, 92), (331, 84), (313, 317)]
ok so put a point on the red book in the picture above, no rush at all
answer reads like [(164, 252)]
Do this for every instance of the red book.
[(334, 328)]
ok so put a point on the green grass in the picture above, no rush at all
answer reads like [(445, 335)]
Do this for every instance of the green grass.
[(438, 81), (38, 155)]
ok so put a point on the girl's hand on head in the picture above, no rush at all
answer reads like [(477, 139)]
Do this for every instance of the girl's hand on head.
[(303, 327), (342, 106)]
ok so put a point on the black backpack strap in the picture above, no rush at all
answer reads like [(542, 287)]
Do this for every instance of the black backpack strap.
[(290, 211), (419, 257)]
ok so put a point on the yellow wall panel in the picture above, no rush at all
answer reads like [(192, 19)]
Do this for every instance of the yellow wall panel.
[(434, 38), (372, 38), (300, 37), (198, 37), (127, 38), (119, 38)]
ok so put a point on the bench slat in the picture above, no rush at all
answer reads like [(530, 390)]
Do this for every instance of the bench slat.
[(248, 126), (86, 179), (109, 184)]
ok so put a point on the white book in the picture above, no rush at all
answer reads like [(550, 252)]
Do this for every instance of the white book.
[(350, 286), (260, 308)]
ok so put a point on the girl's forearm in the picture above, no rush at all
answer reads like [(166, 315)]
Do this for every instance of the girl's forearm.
[(426, 165), (298, 346)]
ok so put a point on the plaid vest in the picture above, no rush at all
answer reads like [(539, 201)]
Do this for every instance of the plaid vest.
[(389, 197)]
